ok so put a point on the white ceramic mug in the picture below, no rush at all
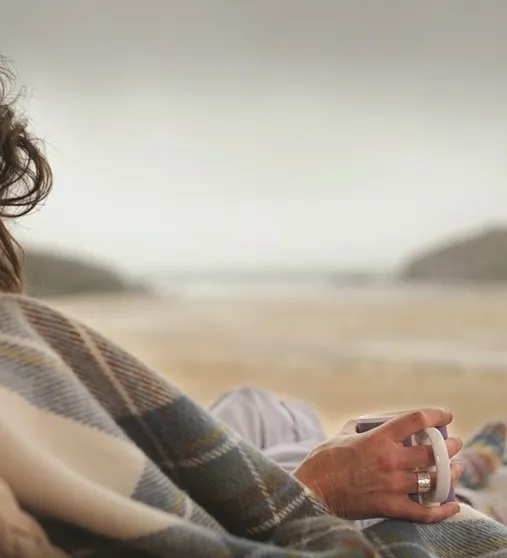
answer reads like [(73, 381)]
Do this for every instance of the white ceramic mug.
[(434, 437)]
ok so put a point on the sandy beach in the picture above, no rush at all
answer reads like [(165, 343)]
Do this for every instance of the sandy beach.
[(347, 353)]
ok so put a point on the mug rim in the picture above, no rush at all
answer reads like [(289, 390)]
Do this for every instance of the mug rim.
[(379, 417)]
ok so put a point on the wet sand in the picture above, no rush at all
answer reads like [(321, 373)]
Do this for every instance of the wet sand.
[(346, 353)]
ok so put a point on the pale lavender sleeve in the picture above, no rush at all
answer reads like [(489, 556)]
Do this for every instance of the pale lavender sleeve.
[(284, 430)]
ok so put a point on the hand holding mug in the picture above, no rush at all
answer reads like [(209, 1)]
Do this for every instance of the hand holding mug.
[(373, 474)]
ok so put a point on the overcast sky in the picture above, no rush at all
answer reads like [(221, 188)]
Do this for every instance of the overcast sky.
[(263, 132)]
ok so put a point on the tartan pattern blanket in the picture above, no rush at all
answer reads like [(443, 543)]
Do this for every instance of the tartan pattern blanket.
[(114, 461)]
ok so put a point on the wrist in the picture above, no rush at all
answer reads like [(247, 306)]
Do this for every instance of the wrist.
[(306, 476)]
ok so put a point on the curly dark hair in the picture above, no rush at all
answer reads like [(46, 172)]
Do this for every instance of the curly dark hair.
[(25, 180)]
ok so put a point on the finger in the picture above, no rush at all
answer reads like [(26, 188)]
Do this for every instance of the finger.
[(457, 469), (421, 457), (405, 482), (404, 426), (425, 514)]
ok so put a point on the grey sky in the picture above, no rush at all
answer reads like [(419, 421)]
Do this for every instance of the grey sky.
[(267, 132)]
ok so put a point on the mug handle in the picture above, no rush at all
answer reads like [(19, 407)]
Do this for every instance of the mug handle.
[(443, 467)]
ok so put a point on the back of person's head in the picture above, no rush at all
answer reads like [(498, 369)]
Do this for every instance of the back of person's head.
[(25, 179)]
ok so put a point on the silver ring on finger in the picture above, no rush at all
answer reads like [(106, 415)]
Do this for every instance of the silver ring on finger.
[(423, 482)]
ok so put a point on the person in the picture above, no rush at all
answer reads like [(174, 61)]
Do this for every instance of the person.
[(107, 458), (288, 430)]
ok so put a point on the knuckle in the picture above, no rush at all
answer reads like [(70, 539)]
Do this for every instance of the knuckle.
[(418, 420), (393, 483), (387, 462), (426, 517)]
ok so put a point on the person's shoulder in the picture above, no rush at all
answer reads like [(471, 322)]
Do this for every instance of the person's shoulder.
[(27, 317), (10, 302), (22, 300)]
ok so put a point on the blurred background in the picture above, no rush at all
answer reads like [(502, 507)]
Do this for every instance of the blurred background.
[(305, 196)]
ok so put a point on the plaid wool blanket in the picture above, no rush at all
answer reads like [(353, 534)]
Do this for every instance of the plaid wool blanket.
[(112, 461)]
